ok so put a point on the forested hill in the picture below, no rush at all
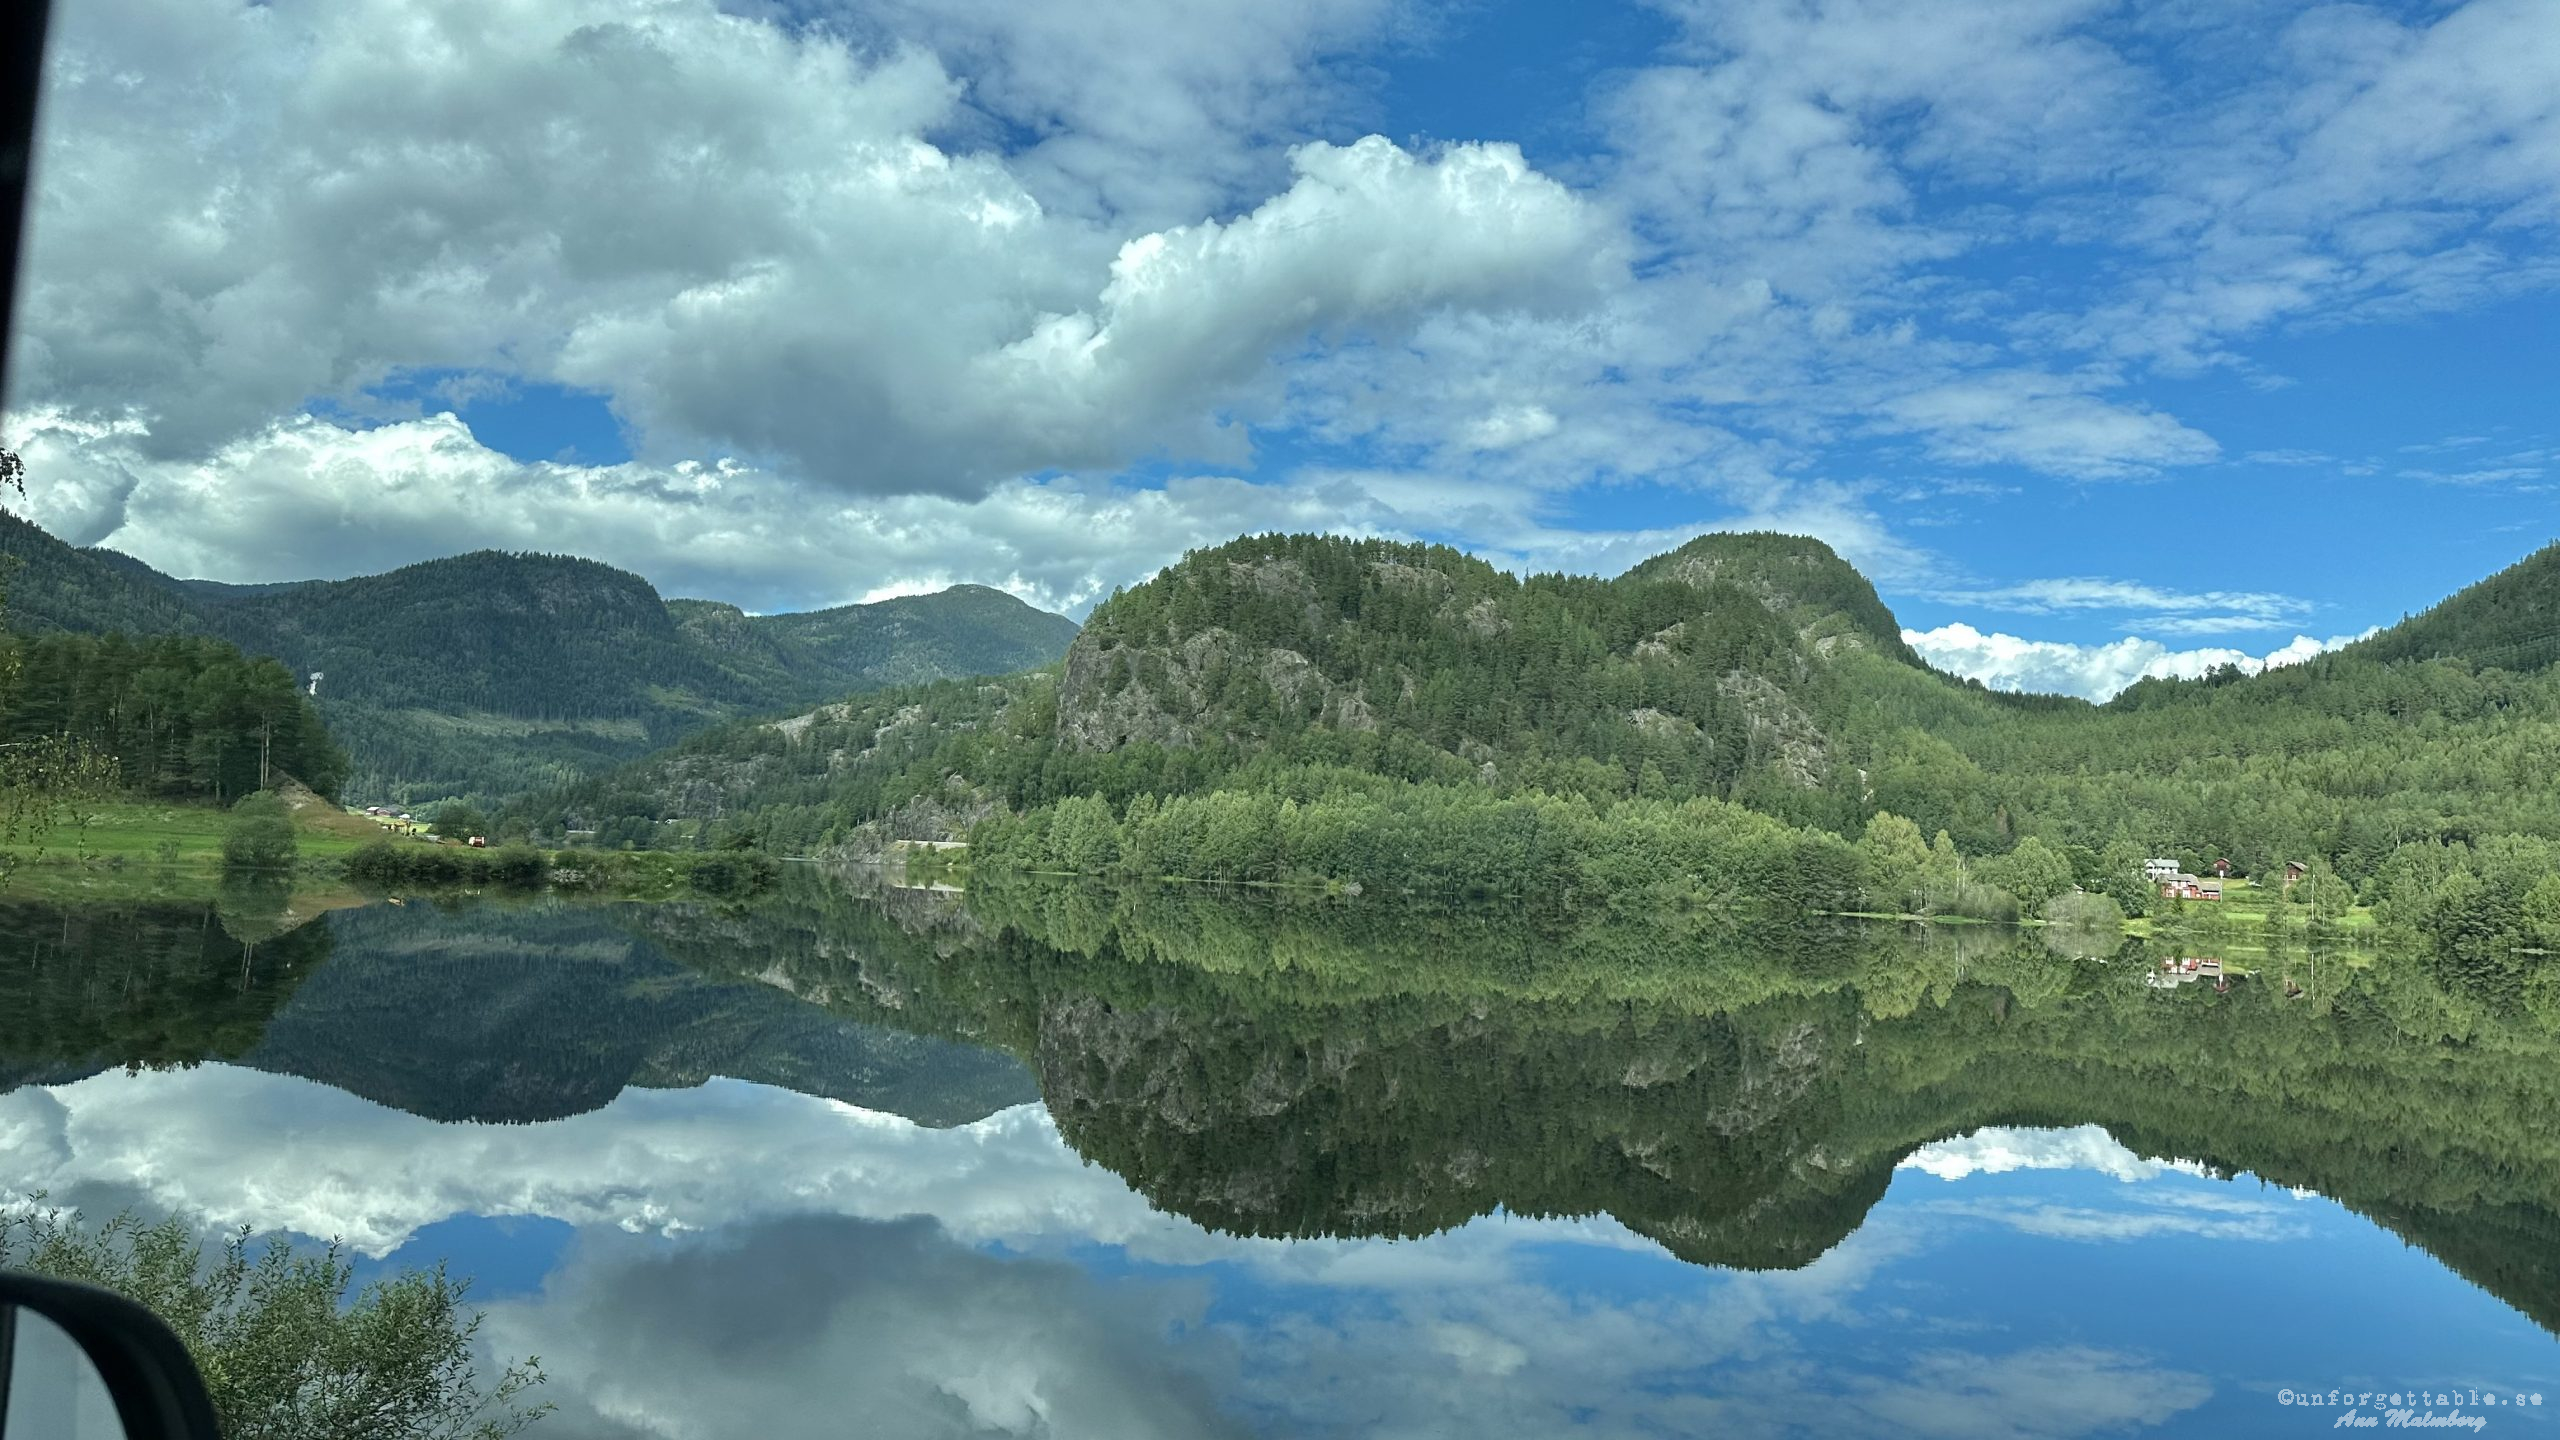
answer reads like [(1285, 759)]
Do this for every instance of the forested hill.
[(1723, 667), (2510, 620), (54, 587), (488, 674), (1301, 706), (1760, 669)]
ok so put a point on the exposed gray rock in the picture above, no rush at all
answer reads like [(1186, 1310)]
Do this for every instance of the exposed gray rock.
[(1780, 730), (1661, 724)]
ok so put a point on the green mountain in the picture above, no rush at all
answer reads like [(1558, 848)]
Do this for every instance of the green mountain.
[(2510, 620), (1309, 707), (489, 673), (1735, 666), (55, 587)]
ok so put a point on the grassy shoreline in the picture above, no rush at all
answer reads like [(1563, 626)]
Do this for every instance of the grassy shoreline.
[(144, 849)]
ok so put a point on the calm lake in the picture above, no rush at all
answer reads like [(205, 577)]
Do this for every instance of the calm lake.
[(1065, 1163)]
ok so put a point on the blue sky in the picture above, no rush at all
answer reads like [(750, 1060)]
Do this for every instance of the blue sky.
[(2106, 338)]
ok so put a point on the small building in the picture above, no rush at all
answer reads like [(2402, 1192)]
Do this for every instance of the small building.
[(2294, 870), (2222, 869), (2157, 870), (2189, 887)]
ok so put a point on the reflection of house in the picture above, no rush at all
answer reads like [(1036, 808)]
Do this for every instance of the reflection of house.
[(2294, 870), (2173, 973), (2188, 887)]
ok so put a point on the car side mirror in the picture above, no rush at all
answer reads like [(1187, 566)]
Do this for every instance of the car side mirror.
[(81, 1363)]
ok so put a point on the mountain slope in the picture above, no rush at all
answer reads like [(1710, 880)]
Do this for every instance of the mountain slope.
[(1715, 664), (1746, 667), (964, 630), (1418, 686), (491, 673), (2510, 620), (52, 586)]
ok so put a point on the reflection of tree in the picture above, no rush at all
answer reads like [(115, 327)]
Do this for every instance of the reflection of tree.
[(143, 985), (480, 1012), (255, 908), (1322, 1069)]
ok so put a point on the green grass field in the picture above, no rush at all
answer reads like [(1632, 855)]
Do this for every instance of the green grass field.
[(162, 833)]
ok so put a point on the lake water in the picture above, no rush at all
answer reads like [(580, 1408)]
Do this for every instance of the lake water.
[(1070, 1164)]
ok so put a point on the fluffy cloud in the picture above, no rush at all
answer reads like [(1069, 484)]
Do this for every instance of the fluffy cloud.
[(1156, 112), (308, 495), (884, 288), (737, 231), (2005, 662)]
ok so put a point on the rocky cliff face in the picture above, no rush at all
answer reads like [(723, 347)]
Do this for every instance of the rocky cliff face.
[(1115, 693)]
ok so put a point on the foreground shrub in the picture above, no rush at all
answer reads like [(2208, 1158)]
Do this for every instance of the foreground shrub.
[(285, 1354)]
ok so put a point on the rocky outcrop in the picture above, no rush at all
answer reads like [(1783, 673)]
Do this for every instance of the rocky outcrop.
[(1661, 724), (1116, 694), (1781, 733)]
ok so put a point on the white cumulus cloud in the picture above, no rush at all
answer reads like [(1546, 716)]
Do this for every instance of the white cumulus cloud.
[(2095, 672)]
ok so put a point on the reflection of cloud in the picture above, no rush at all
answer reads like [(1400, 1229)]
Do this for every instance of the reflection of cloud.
[(1999, 1149), (2217, 1211), (2240, 1220), (830, 1326), (238, 1146), (2055, 1390), (753, 1261)]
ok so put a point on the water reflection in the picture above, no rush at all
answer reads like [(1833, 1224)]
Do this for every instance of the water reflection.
[(1360, 1171)]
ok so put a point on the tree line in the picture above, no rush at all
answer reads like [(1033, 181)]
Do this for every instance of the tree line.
[(181, 716)]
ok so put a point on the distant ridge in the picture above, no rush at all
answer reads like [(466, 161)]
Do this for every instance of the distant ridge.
[(489, 673)]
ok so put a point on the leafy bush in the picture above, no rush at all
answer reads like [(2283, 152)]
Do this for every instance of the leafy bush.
[(731, 872), (393, 862), (259, 835), (1977, 901), (458, 820), (2079, 909), (285, 1354)]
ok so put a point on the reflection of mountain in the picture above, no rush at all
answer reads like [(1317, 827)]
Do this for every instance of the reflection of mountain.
[(141, 985), (1282, 1071), (481, 1014), (1333, 1069)]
